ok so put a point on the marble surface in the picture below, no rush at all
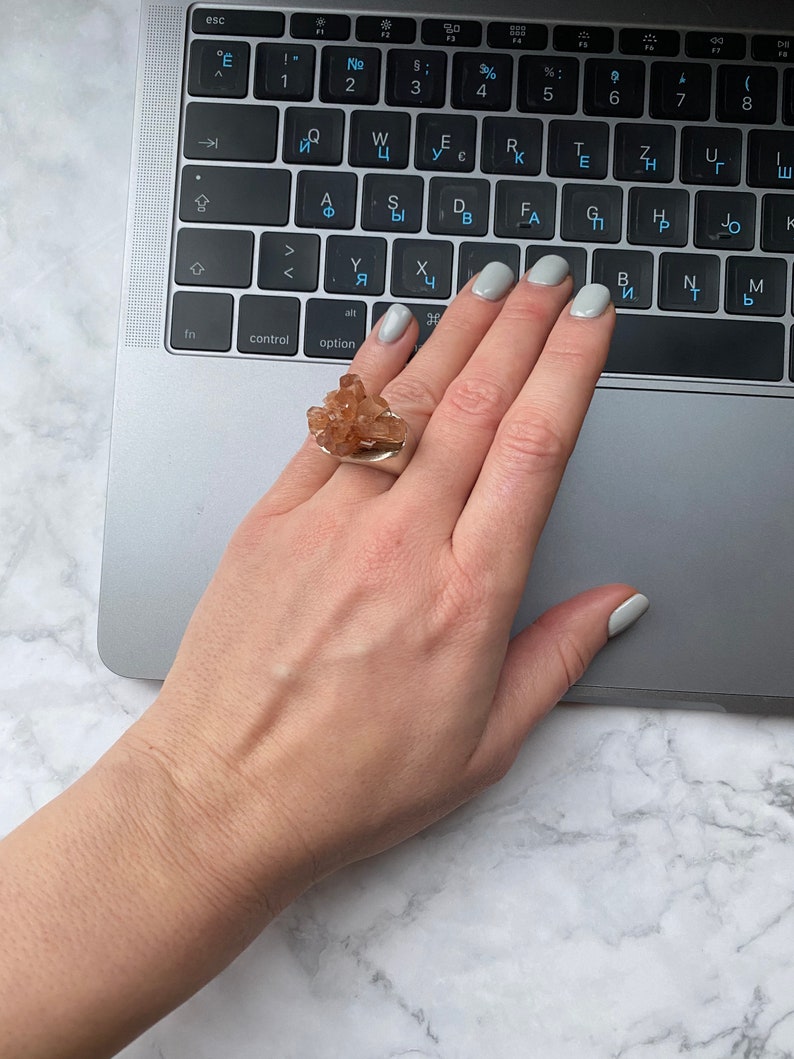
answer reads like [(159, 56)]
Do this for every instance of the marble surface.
[(627, 891)]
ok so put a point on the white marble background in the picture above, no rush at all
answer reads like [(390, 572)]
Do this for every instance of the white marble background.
[(628, 891)]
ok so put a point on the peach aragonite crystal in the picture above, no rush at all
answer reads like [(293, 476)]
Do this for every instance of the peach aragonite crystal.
[(354, 425)]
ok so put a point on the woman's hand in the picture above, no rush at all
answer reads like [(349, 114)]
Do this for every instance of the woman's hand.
[(348, 677)]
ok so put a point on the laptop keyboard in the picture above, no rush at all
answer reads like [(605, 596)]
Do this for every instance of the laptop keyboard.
[(331, 164)]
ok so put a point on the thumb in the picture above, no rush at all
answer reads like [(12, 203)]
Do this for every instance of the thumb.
[(545, 659)]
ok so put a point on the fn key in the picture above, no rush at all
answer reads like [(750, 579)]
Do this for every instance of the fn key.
[(202, 321)]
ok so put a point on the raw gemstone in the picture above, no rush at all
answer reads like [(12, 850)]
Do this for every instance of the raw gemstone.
[(352, 422)]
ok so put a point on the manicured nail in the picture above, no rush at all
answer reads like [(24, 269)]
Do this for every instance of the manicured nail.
[(494, 281), (624, 616), (395, 323), (591, 300), (548, 271)]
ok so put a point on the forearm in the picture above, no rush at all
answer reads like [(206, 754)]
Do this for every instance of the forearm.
[(110, 914)]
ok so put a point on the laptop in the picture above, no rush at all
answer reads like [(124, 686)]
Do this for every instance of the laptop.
[(650, 143)]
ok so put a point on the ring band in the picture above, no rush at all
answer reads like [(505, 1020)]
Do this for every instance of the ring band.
[(355, 427)]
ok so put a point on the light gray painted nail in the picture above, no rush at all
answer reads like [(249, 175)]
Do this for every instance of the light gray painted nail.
[(624, 616), (395, 323), (591, 300), (548, 271), (494, 281)]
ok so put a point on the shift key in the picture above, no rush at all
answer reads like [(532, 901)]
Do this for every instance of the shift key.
[(231, 195)]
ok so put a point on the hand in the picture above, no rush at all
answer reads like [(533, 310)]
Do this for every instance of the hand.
[(348, 677)]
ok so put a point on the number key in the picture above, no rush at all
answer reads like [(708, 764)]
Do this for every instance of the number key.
[(680, 91), (350, 75), (614, 88), (548, 85), (481, 81), (416, 78), (747, 94)]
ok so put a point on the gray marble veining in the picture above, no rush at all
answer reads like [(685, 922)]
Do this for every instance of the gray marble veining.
[(627, 891)]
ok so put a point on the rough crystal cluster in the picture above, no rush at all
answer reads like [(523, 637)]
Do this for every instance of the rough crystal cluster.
[(352, 423)]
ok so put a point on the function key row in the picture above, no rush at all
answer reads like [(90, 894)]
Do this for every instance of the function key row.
[(484, 81), (517, 36)]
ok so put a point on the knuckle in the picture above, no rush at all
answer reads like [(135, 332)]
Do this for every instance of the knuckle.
[(411, 393), (571, 658), (536, 440), (477, 399)]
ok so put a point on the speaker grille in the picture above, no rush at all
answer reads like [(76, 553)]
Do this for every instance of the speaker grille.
[(151, 231)]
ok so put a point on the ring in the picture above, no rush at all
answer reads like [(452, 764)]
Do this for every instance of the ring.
[(355, 427)]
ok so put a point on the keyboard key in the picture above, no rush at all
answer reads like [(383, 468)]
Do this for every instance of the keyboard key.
[(592, 214), (284, 71), (350, 75), (525, 209), (747, 94), (475, 256), (614, 88), (773, 48), (644, 152), (288, 261), (421, 268), (770, 159), (574, 255), (578, 149), (446, 142), (324, 26), (448, 31), (521, 36), (416, 78), (326, 199), (711, 156), (228, 195), (788, 97), (218, 68), (756, 286), (212, 257), (700, 45), (379, 139), (225, 20), (650, 41), (482, 81), (268, 325), (725, 220), (427, 316), (202, 321), (703, 347), (231, 132), (391, 30), (335, 328), (658, 216), (584, 38), (680, 91), (689, 283), (392, 203), (355, 264), (313, 136), (458, 207), (512, 145), (777, 223), (547, 86), (628, 274)]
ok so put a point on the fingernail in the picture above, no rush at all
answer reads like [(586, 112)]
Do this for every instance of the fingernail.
[(624, 616), (494, 281), (548, 271), (591, 300), (395, 323)]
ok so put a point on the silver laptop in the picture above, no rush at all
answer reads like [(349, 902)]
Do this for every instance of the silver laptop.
[(295, 171)]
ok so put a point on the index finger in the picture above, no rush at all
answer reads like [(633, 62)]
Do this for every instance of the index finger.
[(499, 528)]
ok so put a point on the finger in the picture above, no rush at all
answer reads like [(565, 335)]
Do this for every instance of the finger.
[(503, 518), (548, 657), (416, 391), (462, 429), (384, 352)]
